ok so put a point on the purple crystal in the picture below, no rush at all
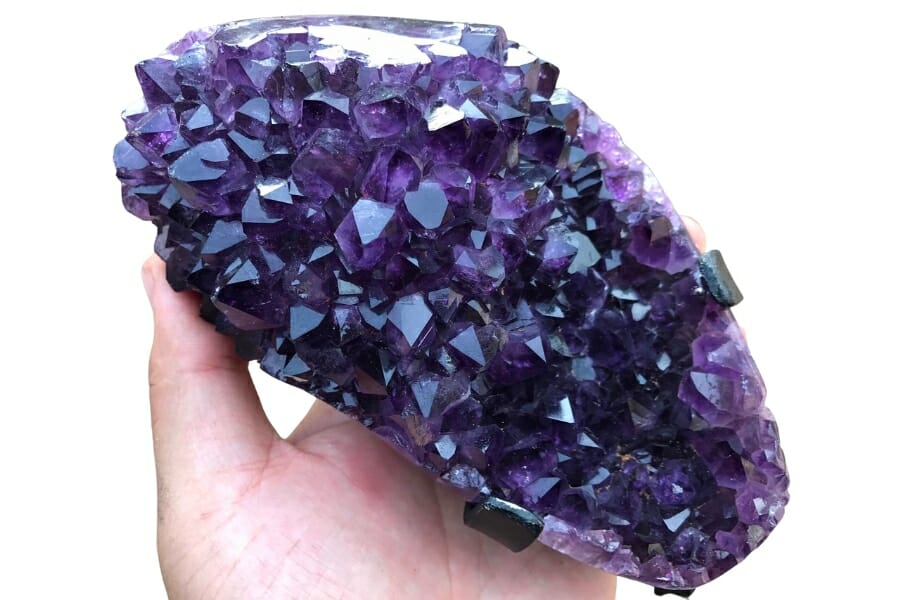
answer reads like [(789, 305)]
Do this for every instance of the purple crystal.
[(411, 221)]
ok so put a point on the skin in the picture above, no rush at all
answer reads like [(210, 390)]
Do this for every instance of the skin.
[(329, 512)]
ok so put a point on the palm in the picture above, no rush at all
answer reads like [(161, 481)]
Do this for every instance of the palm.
[(338, 513)]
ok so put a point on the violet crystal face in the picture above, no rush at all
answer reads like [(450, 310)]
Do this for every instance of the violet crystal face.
[(411, 221)]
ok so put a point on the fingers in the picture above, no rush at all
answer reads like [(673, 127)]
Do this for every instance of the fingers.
[(205, 413), (696, 232)]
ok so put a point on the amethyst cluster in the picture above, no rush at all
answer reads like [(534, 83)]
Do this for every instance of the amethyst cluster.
[(410, 220)]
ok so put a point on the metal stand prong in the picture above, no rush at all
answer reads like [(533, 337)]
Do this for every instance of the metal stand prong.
[(718, 280), (508, 523), (679, 593)]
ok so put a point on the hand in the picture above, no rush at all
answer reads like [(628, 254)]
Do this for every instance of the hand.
[(329, 512)]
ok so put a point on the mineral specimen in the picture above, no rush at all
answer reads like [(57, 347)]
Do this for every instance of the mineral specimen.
[(411, 221)]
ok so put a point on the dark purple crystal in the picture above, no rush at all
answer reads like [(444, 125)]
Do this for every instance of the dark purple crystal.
[(411, 221)]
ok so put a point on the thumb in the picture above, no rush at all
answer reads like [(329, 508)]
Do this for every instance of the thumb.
[(205, 412)]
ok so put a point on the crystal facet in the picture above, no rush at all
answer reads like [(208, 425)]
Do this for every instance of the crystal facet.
[(411, 221)]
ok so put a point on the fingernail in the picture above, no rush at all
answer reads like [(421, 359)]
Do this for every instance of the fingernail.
[(149, 280)]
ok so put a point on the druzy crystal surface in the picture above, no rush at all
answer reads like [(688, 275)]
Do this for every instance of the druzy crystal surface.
[(412, 222)]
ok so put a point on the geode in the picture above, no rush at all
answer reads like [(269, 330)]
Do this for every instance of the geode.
[(412, 222)]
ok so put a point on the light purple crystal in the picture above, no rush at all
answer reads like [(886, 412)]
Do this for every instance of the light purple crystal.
[(409, 220)]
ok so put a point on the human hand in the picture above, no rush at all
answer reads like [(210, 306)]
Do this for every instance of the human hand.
[(330, 511)]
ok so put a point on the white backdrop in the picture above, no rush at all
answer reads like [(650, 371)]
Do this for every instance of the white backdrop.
[(775, 124)]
